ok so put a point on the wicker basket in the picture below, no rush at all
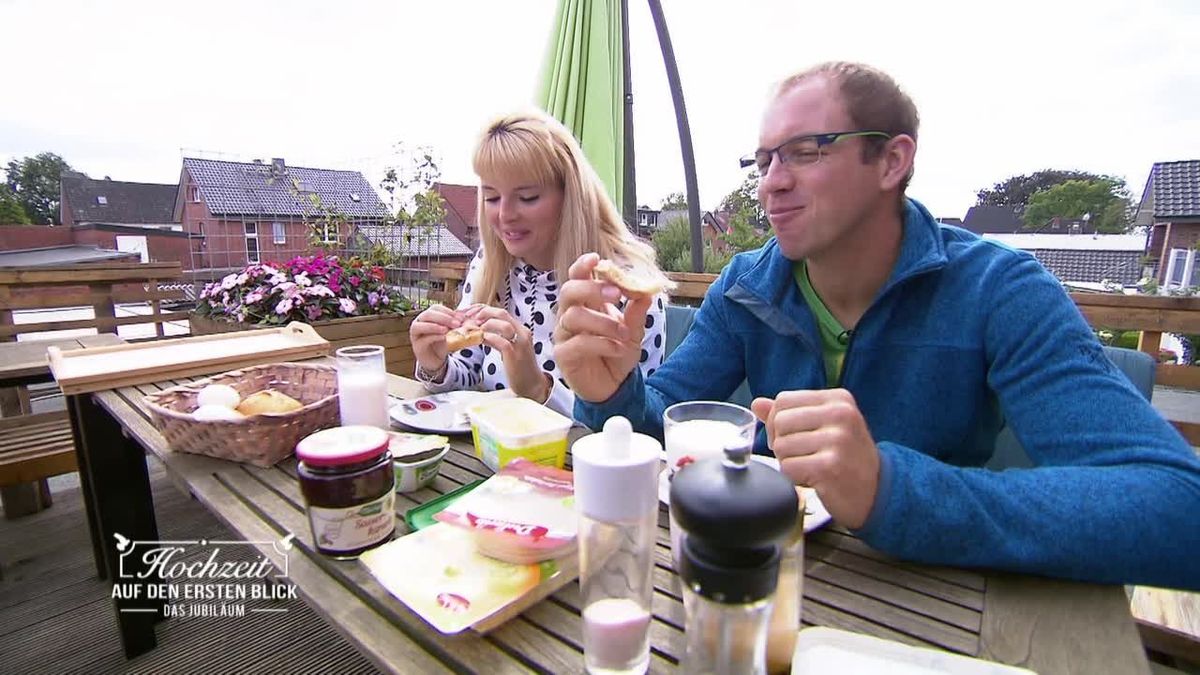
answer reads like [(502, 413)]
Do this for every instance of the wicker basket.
[(261, 440)]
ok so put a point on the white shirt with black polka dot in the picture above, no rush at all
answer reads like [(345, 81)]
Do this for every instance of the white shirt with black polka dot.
[(531, 297)]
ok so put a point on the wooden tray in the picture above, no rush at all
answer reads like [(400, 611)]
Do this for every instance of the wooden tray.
[(82, 371)]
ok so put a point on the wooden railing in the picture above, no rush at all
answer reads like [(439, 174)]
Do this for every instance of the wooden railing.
[(1151, 315), (99, 286)]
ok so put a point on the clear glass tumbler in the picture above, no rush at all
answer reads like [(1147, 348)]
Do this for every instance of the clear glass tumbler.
[(697, 430), (362, 386)]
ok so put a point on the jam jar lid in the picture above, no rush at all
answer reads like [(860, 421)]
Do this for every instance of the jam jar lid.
[(342, 445)]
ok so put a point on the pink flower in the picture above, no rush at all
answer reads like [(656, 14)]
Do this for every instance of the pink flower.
[(355, 281), (347, 305), (284, 306), (313, 313), (372, 298)]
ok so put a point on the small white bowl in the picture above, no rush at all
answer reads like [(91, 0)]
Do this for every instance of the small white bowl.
[(411, 476)]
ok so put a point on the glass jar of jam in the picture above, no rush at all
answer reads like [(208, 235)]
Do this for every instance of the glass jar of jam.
[(347, 480)]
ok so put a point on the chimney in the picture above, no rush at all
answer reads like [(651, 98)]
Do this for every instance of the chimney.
[(277, 165)]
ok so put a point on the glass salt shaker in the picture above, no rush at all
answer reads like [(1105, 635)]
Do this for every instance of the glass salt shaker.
[(734, 514), (616, 494), (362, 386)]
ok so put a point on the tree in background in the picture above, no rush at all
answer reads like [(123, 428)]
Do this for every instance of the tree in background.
[(1017, 190), (673, 243), (674, 202), (1104, 200), (744, 200), (11, 211), (34, 181), (741, 235)]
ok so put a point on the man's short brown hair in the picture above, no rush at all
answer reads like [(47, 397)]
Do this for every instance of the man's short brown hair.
[(873, 100)]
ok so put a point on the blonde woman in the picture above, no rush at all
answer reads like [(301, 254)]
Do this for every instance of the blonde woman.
[(541, 206)]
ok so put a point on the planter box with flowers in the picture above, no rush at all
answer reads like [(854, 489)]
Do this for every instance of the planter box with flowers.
[(346, 301)]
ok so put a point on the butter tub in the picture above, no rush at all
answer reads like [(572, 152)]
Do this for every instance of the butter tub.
[(518, 427)]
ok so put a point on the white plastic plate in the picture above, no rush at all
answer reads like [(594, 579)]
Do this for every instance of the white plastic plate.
[(828, 650)]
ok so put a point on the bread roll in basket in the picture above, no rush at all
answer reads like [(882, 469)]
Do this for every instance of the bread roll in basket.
[(260, 439)]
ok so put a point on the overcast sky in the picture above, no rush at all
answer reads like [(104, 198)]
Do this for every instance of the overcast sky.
[(125, 89)]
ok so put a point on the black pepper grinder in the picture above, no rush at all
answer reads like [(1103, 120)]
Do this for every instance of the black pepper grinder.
[(734, 514)]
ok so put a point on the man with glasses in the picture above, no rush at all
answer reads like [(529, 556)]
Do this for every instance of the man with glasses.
[(887, 350)]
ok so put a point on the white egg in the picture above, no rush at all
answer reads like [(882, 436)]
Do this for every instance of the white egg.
[(212, 412), (218, 394)]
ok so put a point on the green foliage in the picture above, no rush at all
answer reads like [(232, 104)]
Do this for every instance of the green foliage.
[(320, 219), (11, 211), (744, 200), (670, 240), (415, 207), (673, 242), (742, 236), (676, 201), (34, 181), (1017, 190), (1105, 199)]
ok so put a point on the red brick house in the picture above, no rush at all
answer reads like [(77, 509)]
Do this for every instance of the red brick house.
[(462, 212), (239, 212), (115, 215), (1170, 208)]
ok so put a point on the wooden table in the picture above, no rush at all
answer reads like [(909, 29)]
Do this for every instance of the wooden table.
[(1048, 626), (25, 362)]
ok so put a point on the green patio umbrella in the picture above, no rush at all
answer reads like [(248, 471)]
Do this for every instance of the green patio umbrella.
[(586, 86), (583, 84)]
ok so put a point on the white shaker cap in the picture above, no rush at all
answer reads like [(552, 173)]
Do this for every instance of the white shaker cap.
[(616, 473)]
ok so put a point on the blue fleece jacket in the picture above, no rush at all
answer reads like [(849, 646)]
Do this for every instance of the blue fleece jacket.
[(965, 334)]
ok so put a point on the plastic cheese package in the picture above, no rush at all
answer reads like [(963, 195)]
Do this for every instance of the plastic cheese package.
[(524, 514)]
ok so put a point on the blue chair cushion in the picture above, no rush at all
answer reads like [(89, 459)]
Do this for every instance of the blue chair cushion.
[(679, 322)]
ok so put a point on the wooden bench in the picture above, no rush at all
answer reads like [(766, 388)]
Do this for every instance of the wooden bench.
[(36, 447), (33, 448)]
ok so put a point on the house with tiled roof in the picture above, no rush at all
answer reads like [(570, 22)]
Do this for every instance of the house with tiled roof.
[(244, 212), (121, 216), (462, 211), (413, 247), (84, 200), (1085, 260), (988, 219), (1170, 209)]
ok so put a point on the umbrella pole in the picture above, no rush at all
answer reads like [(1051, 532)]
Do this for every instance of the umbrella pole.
[(685, 133), (629, 190)]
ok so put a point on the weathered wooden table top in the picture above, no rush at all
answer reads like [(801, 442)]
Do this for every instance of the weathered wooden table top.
[(1045, 625), (28, 358)]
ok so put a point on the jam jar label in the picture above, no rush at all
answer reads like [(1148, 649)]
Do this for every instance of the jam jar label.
[(349, 529)]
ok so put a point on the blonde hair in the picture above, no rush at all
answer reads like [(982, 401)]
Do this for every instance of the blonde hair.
[(536, 145)]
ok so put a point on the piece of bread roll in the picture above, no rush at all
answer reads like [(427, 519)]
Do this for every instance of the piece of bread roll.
[(630, 284), (461, 338), (268, 401)]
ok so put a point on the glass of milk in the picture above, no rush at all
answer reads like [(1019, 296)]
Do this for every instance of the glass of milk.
[(362, 386), (698, 430)]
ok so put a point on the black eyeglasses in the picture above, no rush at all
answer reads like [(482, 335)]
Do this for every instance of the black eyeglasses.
[(801, 150)]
